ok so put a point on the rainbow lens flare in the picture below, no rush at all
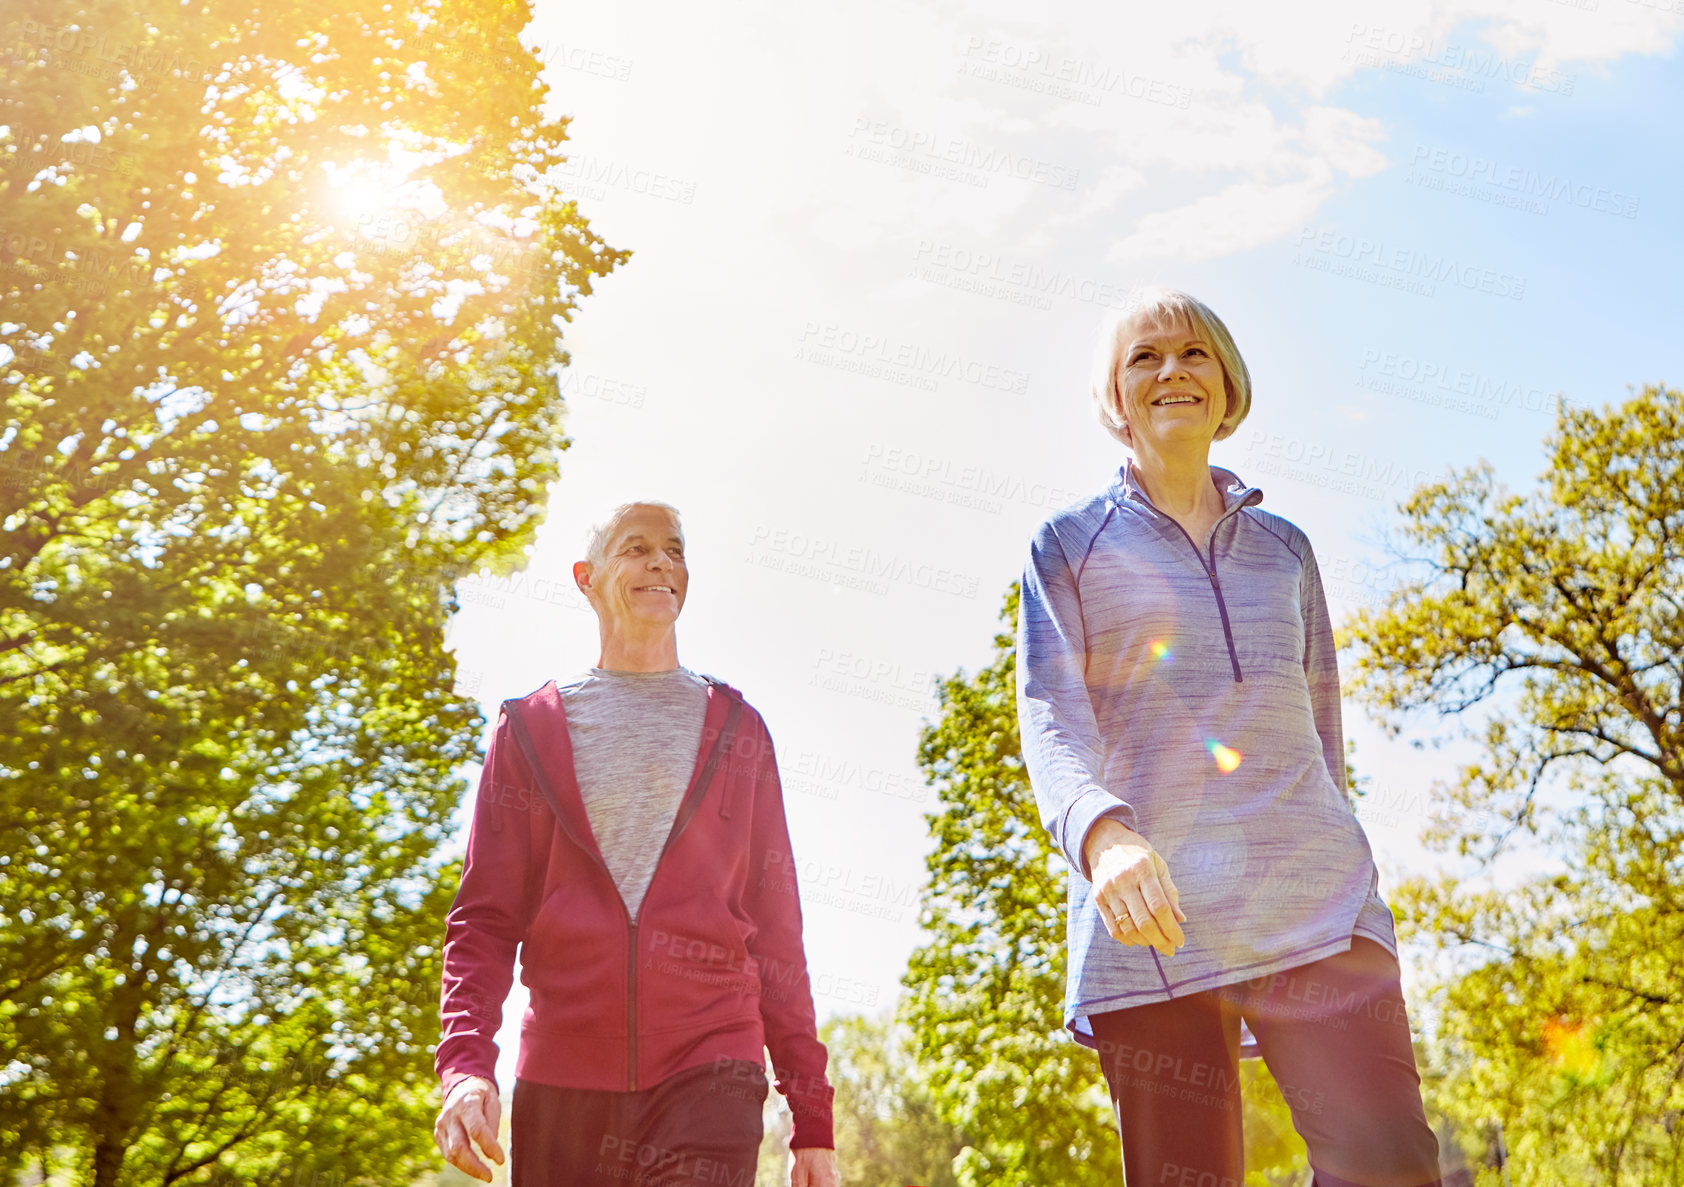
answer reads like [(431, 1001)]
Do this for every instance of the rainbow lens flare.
[(1227, 758), (1569, 1046), (1160, 649)]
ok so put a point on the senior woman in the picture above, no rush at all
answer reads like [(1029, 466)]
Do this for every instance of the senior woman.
[(1178, 697)]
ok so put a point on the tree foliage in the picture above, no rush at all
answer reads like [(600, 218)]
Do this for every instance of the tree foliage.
[(888, 1132), (984, 997), (1559, 614), (283, 290)]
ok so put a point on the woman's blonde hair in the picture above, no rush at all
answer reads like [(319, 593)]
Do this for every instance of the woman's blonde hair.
[(1160, 306)]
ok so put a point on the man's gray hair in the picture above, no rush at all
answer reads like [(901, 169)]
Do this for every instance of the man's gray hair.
[(1157, 307), (596, 544)]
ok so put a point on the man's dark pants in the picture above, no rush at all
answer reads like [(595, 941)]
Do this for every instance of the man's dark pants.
[(1334, 1035), (699, 1126)]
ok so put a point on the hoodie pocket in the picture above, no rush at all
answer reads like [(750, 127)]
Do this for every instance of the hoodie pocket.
[(575, 949), (702, 965)]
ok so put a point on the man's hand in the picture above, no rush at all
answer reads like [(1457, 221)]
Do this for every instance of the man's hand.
[(472, 1110), (1132, 887), (814, 1167)]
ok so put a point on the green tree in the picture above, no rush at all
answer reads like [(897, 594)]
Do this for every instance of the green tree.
[(985, 995), (888, 1132), (283, 291), (1557, 614)]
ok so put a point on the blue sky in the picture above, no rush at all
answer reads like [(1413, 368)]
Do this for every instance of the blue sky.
[(873, 243)]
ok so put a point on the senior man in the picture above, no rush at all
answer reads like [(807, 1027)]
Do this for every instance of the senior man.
[(629, 837)]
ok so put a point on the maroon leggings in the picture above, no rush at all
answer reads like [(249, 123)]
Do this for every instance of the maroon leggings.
[(1335, 1036)]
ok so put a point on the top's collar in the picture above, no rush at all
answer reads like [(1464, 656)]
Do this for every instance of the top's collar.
[(1235, 493)]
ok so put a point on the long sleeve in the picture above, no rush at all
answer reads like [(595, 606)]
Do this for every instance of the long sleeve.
[(1062, 748), (487, 919), (1321, 669), (786, 1000)]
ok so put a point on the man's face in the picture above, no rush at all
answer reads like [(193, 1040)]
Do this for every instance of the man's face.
[(642, 579)]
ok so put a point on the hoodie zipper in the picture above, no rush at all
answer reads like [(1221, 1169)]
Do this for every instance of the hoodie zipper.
[(686, 811), (631, 999), (1216, 587), (525, 740)]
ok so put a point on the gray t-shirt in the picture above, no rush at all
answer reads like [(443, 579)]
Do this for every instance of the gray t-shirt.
[(635, 736)]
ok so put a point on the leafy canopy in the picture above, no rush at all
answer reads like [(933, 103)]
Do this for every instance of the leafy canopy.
[(281, 295), (1558, 615)]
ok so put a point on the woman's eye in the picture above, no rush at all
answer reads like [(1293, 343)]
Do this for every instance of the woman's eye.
[(1195, 350)]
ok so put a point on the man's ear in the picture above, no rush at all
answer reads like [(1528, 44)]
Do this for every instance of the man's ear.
[(582, 576), (1127, 433)]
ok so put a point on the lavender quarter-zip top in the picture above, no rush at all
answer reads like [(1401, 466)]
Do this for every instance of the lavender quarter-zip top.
[(1190, 689)]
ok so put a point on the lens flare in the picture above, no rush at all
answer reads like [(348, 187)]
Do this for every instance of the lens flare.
[(1570, 1048), (1227, 758), (1160, 649)]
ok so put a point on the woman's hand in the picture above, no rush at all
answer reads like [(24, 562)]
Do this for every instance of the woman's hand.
[(1132, 888)]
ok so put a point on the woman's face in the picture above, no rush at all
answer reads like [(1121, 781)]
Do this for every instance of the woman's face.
[(1172, 386)]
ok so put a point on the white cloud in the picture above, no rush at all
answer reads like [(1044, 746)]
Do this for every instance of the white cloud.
[(1345, 140), (1215, 124), (1239, 218), (1311, 46)]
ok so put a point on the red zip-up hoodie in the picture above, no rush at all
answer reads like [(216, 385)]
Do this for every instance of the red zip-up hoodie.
[(712, 969)]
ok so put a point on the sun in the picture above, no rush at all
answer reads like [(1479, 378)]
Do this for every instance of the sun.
[(360, 192)]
